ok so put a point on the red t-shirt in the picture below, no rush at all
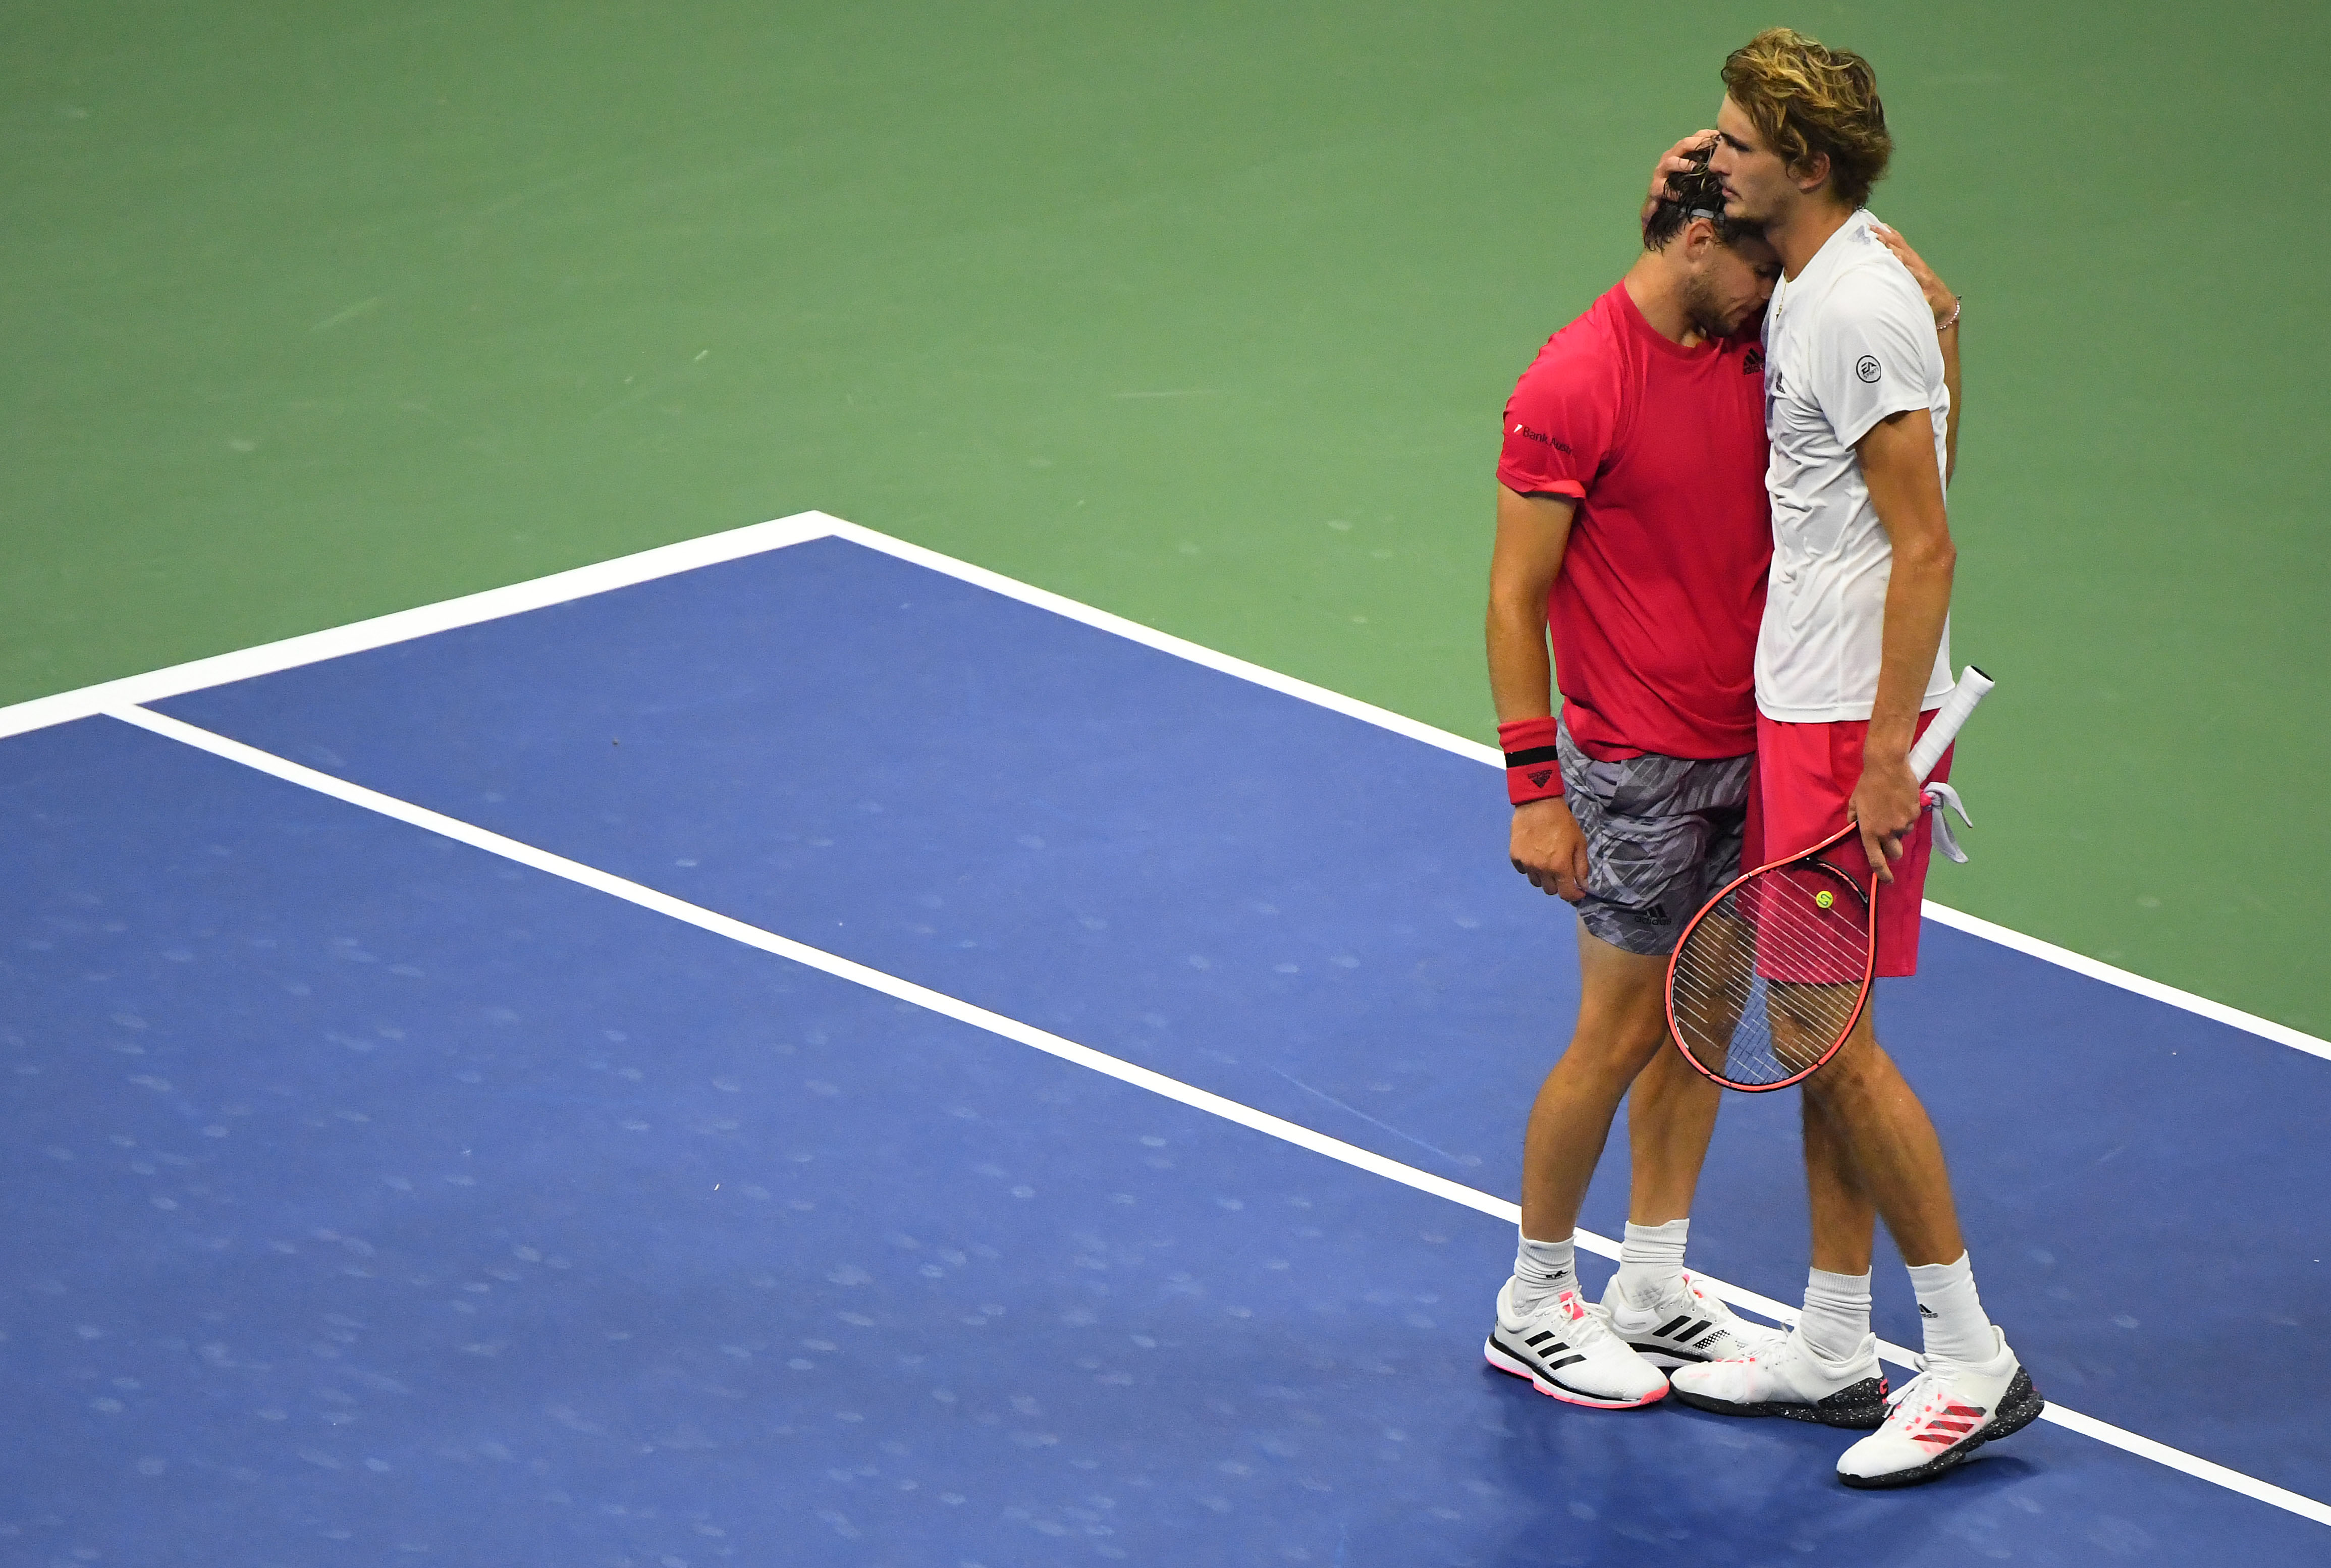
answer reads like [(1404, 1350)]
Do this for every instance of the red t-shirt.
[(1654, 616)]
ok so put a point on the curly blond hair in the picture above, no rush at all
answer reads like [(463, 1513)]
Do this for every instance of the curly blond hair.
[(1805, 100)]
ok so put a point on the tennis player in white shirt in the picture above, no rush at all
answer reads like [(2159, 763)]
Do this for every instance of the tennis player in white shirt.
[(1853, 653)]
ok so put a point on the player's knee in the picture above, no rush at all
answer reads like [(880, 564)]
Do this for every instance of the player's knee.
[(1642, 1052), (1846, 1073), (1614, 1054)]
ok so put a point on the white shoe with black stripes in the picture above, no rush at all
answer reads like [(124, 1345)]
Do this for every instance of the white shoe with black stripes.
[(1684, 1328), (1566, 1350)]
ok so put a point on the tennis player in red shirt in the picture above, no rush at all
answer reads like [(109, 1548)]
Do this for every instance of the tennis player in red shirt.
[(1634, 525)]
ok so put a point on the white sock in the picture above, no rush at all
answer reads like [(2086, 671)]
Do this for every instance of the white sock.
[(1837, 1314), (1651, 1261), (1542, 1271), (1951, 1313)]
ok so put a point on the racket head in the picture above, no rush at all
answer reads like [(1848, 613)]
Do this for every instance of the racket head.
[(1770, 977)]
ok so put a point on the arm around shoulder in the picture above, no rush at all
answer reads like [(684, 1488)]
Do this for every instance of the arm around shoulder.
[(1946, 305)]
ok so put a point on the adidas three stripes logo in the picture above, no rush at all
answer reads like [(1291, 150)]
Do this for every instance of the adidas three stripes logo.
[(1539, 1348)]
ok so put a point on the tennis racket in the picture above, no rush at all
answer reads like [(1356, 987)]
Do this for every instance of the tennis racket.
[(1774, 972)]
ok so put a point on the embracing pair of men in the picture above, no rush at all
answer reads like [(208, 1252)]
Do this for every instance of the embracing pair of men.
[(1739, 545)]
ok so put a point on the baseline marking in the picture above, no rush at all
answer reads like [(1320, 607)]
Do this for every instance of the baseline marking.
[(403, 625), (664, 561), (1085, 1056)]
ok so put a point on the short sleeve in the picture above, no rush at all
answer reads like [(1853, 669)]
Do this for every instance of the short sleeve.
[(1874, 355), (1558, 425)]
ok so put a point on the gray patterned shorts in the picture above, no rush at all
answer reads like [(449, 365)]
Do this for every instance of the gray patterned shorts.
[(1663, 835)]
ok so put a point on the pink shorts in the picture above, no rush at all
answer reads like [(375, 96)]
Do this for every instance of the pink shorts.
[(1798, 788)]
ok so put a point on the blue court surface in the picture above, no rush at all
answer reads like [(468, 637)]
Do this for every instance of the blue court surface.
[(375, 1196)]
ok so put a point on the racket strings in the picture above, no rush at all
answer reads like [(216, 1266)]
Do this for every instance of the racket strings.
[(1771, 978)]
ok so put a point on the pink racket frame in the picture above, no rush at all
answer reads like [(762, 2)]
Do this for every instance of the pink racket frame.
[(1860, 1002)]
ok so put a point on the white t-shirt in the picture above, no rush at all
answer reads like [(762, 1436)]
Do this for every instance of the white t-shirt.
[(1848, 342)]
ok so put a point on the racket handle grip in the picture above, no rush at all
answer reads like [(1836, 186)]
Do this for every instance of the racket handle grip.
[(1972, 686)]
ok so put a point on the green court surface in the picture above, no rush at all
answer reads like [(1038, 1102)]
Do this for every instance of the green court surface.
[(1203, 314)]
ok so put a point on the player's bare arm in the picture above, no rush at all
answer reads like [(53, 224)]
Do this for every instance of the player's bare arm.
[(1944, 304), (1898, 463), (1533, 531)]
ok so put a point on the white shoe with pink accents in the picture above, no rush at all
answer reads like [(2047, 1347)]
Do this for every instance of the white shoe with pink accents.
[(1940, 1417), (1787, 1377), (1567, 1349)]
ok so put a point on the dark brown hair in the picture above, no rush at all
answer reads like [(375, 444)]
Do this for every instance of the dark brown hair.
[(1697, 193)]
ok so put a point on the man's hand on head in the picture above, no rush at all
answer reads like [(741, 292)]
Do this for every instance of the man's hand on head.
[(1676, 160), (1549, 849)]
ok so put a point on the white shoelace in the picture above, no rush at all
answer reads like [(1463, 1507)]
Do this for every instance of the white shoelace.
[(1585, 1325), (1696, 1298), (1691, 1298), (1913, 1408)]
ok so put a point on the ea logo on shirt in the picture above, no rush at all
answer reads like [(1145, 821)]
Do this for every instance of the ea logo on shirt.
[(1867, 368)]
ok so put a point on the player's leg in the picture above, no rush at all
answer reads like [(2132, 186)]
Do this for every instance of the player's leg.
[(1648, 831), (1879, 1138), (1844, 1221), (1545, 1331), (1834, 1326), (1847, 1166), (1658, 867), (1671, 1107), (1870, 1144), (1870, 1147), (1662, 833), (1670, 1118), (1662, 1311), (1622, 1024), (1826, 1369), (1665, 1314)]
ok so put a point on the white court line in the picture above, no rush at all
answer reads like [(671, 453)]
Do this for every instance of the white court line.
[(403, 626), (1085, 1056), (2080, 963), (737, 543)]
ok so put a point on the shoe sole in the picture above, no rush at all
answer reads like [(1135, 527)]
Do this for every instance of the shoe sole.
[(2018, 1409), (1858, 1407), (1513, 1365)]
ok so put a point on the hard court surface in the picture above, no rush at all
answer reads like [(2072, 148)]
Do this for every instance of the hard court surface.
[(380, 1197)]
